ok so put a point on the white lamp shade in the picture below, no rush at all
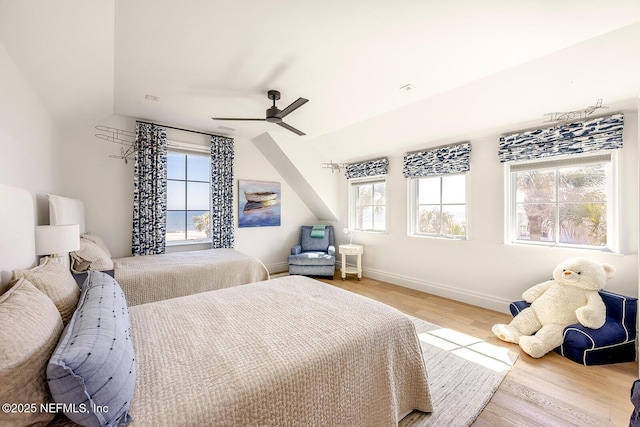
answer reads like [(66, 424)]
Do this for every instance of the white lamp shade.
[(57, 239)]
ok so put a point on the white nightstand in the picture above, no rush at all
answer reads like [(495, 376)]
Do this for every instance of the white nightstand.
[(356, 250)]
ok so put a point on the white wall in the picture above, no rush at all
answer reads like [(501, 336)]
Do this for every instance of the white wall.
[(482, 270), (106, 187), (272, 245), (308, 159), (29, 140)]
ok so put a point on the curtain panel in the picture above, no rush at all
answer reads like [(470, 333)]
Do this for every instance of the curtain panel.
[(149, 190), (222, 223), (368, 168), (602, 133), (437, 161)]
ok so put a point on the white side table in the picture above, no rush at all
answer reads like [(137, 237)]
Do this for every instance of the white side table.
[(356, 250)]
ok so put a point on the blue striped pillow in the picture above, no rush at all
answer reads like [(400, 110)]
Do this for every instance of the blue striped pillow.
[(92, 371)]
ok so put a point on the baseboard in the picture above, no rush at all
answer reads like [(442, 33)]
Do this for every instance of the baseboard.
[(276, 275), (457, 294)]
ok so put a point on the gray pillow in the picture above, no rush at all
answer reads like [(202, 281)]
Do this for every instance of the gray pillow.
[(93, 367)]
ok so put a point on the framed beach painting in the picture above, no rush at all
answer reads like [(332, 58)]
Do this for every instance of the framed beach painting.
[(258, 203)]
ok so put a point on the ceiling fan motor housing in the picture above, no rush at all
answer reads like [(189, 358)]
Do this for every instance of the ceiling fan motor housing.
[(272, 114)]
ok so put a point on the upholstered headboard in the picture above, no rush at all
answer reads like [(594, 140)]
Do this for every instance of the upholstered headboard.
[(64, 210), (17, 232)]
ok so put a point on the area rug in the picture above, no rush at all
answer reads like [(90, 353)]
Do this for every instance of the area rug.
[(464, 373)]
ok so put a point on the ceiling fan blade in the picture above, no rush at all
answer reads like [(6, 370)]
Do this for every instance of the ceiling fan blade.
[(292, 107), (291, 128), (235, 118)]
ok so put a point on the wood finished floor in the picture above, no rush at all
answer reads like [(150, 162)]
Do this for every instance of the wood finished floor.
[(551, 391)]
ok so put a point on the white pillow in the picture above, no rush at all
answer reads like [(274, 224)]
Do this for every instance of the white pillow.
[(98, 241)]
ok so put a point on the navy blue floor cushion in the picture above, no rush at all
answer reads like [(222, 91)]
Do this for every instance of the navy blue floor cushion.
[(612, 343)]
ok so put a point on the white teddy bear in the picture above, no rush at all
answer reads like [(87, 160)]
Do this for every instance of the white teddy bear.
[(570, 298)]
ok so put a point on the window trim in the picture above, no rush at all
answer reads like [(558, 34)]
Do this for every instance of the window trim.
[(177, 147), (413, 206), (353, 183), (187, 147), (613, 199)]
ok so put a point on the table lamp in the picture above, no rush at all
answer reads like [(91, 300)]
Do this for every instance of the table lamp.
[(55, 240)]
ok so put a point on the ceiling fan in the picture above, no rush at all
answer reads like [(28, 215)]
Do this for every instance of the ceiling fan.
[(274, 114)]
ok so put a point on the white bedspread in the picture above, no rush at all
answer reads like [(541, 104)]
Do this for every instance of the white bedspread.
[(289, 352), (152, 278)]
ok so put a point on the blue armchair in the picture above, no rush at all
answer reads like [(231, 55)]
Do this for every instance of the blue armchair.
[(315, 254), (612, 343)]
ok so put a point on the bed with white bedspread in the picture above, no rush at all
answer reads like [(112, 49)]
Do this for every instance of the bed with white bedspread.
[(290, 351), (149, 278)]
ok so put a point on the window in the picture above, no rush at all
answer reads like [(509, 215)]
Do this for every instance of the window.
[(368, 205), (438, 206), (562, 202), (188, 197)]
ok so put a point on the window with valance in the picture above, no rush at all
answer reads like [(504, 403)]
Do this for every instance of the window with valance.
[(560, 183), (367, 195), (437, 188)]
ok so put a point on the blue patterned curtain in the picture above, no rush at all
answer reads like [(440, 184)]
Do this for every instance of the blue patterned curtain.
[(437, 161), (368, 168), (149, 190), (602, 133), (222, 226)]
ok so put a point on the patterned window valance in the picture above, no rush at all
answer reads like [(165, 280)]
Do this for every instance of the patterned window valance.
[(602, 133), (437, 161), (368, 168)]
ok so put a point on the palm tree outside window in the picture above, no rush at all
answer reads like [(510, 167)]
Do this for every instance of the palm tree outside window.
[(368, 205), (440, 206), (563, 202)]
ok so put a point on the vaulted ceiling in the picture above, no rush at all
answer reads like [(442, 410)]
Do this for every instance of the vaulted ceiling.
[(474, 65)]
